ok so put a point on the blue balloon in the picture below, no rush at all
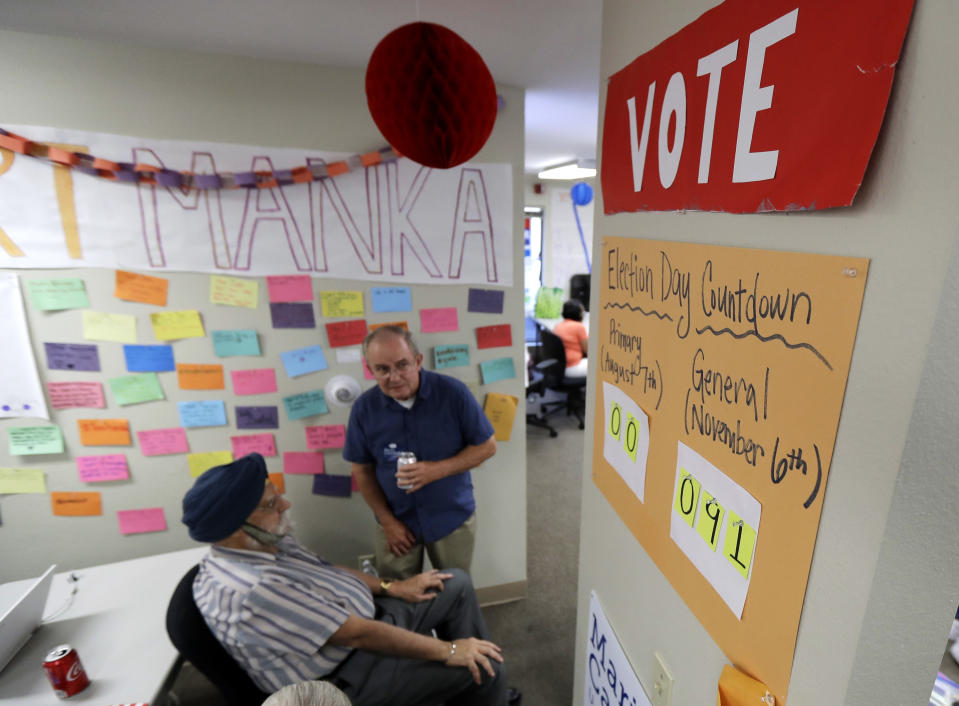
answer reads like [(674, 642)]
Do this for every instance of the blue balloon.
[(582, 193)]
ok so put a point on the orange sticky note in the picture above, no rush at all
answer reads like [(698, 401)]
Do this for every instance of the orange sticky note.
[(75, 504), (134, 287), (199, 377), (277, 480), (104, 432), (401, 324)]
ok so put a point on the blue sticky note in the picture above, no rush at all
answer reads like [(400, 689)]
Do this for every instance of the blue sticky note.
[(498, 369), (337, 486), (391, 299), (303, 361), (149, 359), (452, 356), (202, 413), (237, 342), (305, 404)]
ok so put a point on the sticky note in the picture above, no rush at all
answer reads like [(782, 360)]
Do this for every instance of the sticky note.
[(391, 299), (149, 359), (615, 428), (740, 543), (302, 462), (58, 294), (341, 303), (292, 315), (303, 360), (172, 325), (494, 336), (253, 382), (257, 418), (104, 432), (687, 496), (367, 373), (101, 326), (485, 301), (22, 480), (233, 291), (332, 485), (93, 469), (76, 504), (202, 413), (452, 356), (348, 355), (263, 444), (329, 436), (305, 404), (199, 376), (30, 441), (441, 319), (70, 395), (162, 442), (278, 481), (133, 287), (710, 520), (290, 288), (346, 333), (72, 356), (136, 388), (237, 342), (631, 431), (200, 463), (501, 410), (498, 369), (399, 324), (149, 519)]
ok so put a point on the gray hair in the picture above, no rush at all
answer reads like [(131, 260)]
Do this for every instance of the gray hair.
[(308, 693), (390, 330)]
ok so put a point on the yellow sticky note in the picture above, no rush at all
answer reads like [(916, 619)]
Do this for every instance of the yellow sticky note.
[(501, 410), (710, 520), (615, 421), (169, 325), (631, 435), (101, 326), (339, 303), (687, 496), (233, 291), (200, 463), (22, 480), (740, 543)]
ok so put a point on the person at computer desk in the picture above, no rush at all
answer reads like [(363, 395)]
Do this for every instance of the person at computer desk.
[(575, 338)]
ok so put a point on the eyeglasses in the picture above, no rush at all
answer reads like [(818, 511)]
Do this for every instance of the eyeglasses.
[(401, 367)]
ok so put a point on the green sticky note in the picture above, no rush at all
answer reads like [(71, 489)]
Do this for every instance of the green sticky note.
[(687, 496), (631, 435), (615, 421), (54, 294), (710, 520), (27, 441), (740, 543), (22, 480), (136, 388)]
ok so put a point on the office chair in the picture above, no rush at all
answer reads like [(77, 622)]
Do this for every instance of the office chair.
[(574, 389), (190, 635)]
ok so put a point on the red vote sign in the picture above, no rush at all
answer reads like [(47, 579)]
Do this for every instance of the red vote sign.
[(758, 105)]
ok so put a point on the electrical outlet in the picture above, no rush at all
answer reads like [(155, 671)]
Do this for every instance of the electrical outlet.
[(361, 558), (662, 682)]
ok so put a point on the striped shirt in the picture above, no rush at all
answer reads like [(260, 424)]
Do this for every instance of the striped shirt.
[(275, 612)]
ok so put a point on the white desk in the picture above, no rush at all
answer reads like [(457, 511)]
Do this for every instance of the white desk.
[(117, 623)]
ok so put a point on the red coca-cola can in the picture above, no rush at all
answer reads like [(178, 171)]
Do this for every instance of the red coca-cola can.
[(65, 672)]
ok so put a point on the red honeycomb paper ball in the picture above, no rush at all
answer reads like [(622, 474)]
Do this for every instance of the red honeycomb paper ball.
[(431, 95)]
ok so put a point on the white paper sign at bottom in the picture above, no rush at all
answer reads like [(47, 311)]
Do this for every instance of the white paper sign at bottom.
[(20, 391), (610, 678)]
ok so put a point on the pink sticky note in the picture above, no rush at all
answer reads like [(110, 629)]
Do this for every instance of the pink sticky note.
[(302, 462), (66, 395), (160, 442), (367, 373), (328, 436), (290, 288), (442, 319), (98, 468), (262, 444), (146, 520), (254, 382)]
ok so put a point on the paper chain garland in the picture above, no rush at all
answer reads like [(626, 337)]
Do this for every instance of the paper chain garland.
[(128, 172)]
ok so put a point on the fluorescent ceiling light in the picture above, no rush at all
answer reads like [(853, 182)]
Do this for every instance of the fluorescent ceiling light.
[(583, 169)]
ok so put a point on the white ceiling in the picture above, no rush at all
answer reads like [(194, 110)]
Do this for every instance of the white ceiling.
[(548, 47)]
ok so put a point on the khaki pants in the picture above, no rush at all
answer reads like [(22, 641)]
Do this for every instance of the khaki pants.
[(454, 551)]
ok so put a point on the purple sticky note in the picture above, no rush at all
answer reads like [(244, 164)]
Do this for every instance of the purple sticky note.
[(486, 301), (257, 418), (292, 315), (72, 356), (332, 485)]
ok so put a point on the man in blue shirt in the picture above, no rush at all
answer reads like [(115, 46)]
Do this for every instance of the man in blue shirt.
[(428, 504)]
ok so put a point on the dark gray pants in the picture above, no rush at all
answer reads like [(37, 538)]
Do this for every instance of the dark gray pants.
[(371, 679)]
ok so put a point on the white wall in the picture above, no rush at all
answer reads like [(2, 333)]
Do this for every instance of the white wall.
[(563, 251), (149, 93), (884, 580)]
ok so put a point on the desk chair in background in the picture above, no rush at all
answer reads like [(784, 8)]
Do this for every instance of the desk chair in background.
[(551, 357)]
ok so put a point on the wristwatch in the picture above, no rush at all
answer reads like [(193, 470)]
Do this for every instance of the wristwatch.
[(385, 586)]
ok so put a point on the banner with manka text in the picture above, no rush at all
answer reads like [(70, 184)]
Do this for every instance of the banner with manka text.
[(397, 222)]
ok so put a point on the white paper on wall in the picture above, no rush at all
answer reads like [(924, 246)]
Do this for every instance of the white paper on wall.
[(626, 443), (610, 678), (21, 394)]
